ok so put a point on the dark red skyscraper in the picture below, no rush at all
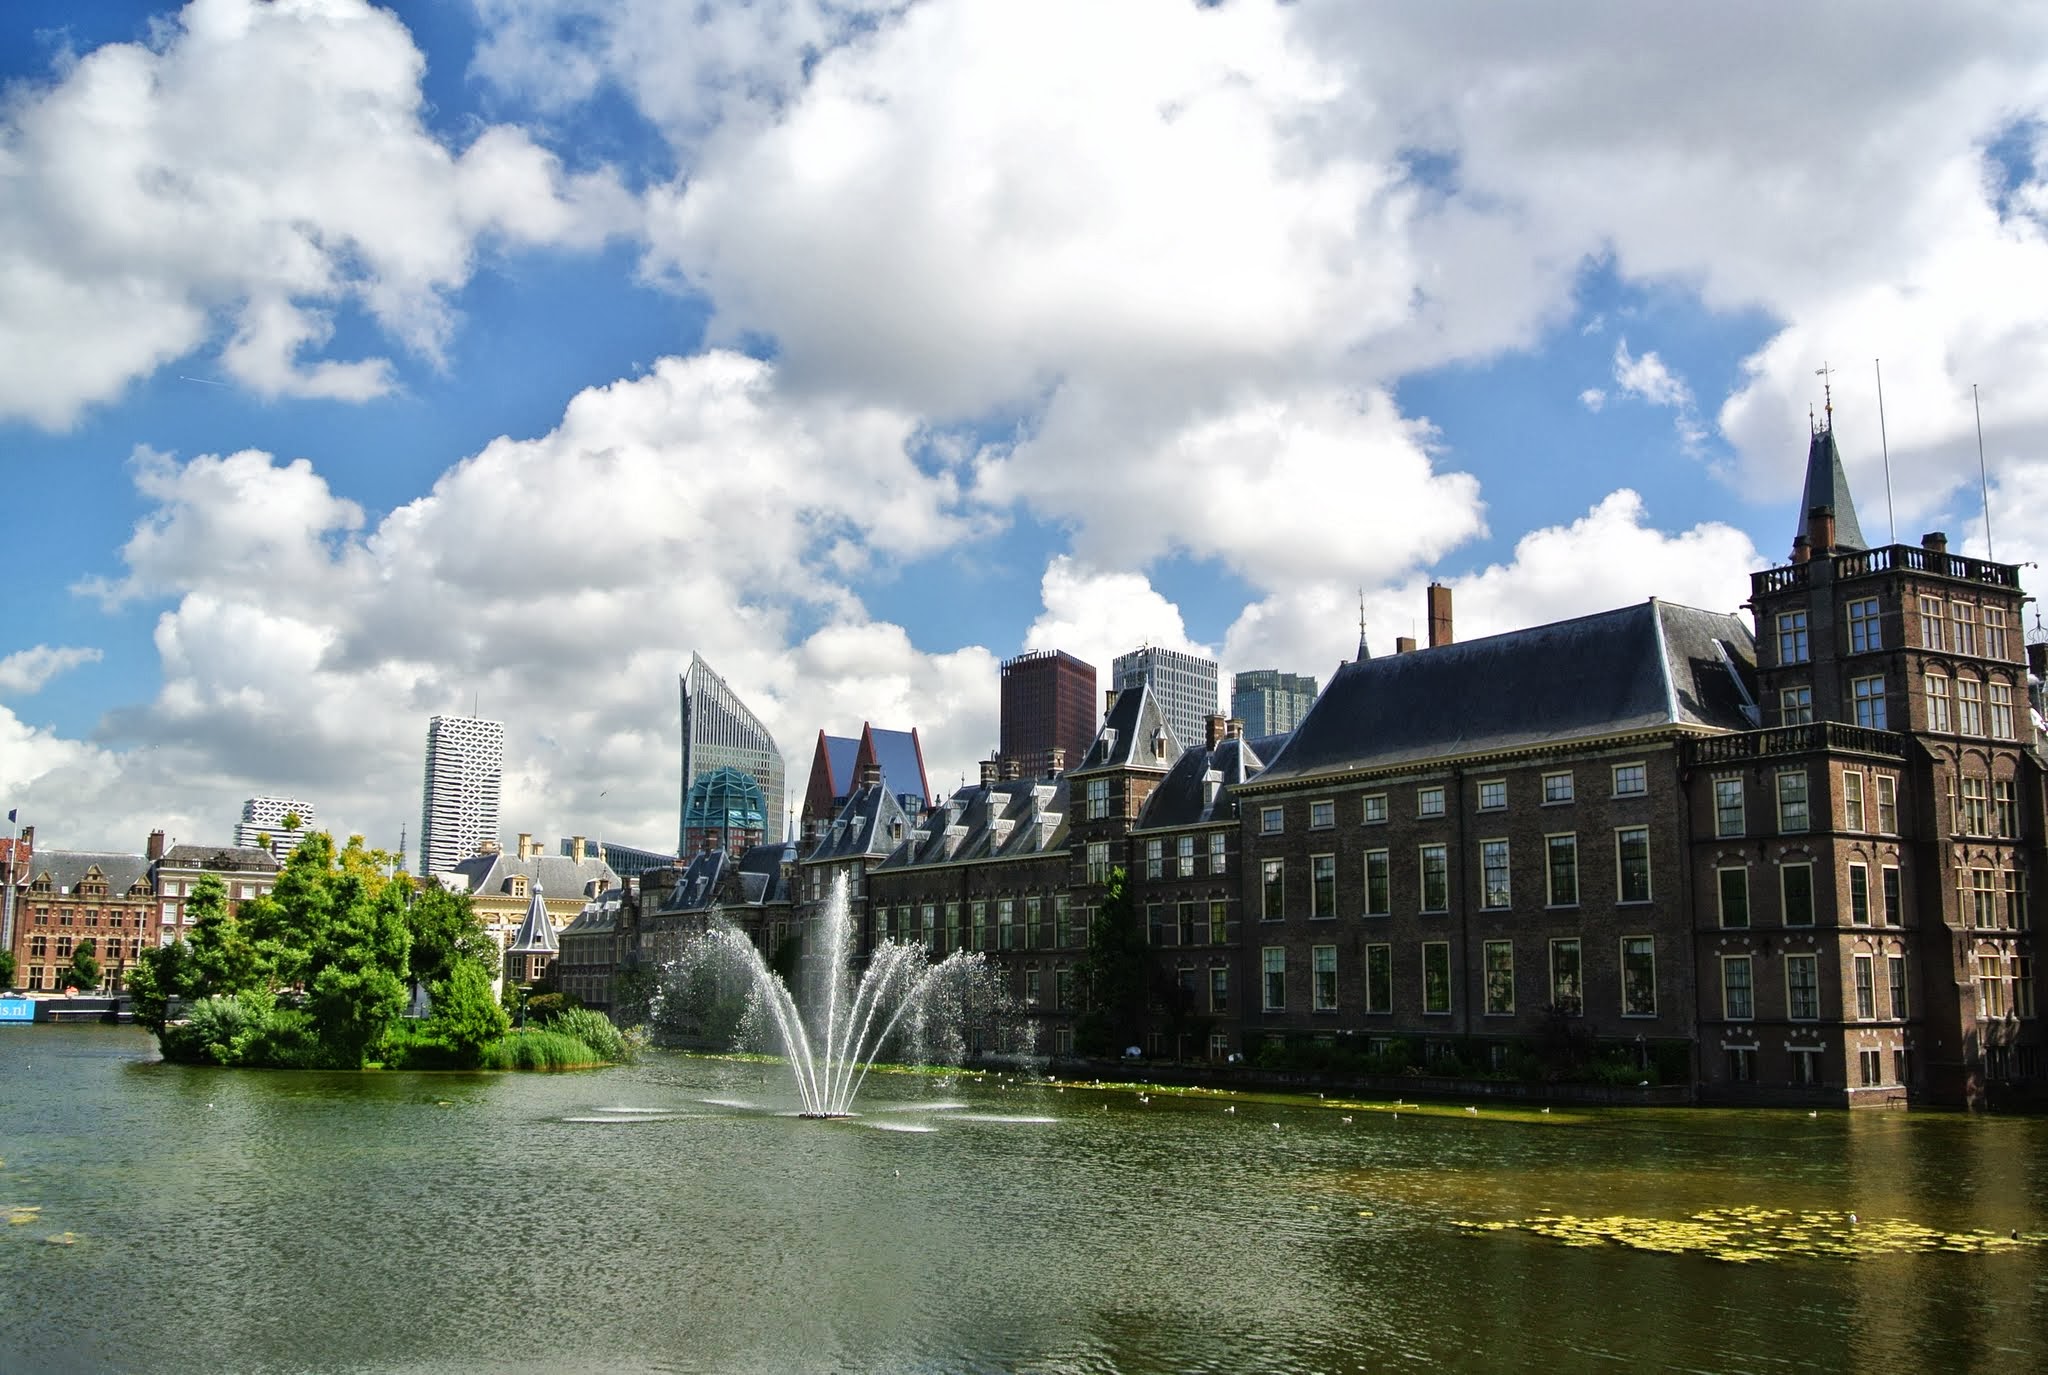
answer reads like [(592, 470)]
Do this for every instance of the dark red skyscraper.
[(1049, 703)]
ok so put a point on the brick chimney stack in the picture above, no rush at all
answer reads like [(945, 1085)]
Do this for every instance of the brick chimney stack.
[(1404, 644), (1934, 542), (577, 849), (991, 769), (1219, 728), (1055, 761), (870, 775), (1012, 770), (1439, 598), (1820, 529), (155, 850)]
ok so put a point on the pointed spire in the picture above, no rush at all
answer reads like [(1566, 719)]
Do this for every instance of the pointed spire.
[(536, 933), (1364, 650), (1828, 486)]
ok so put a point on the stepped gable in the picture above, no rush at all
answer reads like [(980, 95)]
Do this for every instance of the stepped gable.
[(1633, 669), (1827, 485)]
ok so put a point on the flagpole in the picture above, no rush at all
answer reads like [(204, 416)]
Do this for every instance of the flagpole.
[(13, 877)]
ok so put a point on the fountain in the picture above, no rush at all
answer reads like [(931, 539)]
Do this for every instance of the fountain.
[(900, 1004)]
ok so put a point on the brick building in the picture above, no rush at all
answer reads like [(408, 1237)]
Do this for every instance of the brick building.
[(245, 872), (70, 896), (1048, 711)]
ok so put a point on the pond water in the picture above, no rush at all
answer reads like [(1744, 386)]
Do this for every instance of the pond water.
[(667, 1216)]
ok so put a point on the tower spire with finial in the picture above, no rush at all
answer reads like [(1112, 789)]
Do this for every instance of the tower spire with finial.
[(1364, 652), (1827, 391)]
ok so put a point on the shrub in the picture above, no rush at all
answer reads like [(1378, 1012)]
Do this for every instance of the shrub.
[(544, 1007), (595, 1030), (530, 1049)]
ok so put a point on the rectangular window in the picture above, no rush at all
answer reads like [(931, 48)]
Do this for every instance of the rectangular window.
[(1098, 799), (1937, 701), (1272, 890), (1993, 996), (1500, 978), (1062, 922), (1322, 814), (1429, 801), (1887, 804), (1932, 623), (2016, 899), (1186, 911), (1795, 706), (1379, 978), (1888, 885), (1738, 1001), (1867, 699), (1272, 820), (1995, 646), (1980, 898), (1436, 878), (1963, 621), (1729, 817), (1493, 874), (1870, 1067), (1063, 989), (1031, 978), (1792, 810), (1098, 861), (1969, 706), (1895, 967), (1375, 809), (1864, 632), (1436, 977), (1154, 858), (1275, 986), (1852, 801), (1219, 855), (1322, 885), (2001, 711), (1561, 858), (1493, 794), (1630, 780), (1219, 921), (1638, 976), (1557, 787), (1632, 864), (1802, 987), (2023, 985), (1184, 856), (1795, 884), (1323, 959), (1379, 894), (1792, 642), (1859, 895), (1866, 987), (1219, 989), (1006, 924), (1805, 1067), (977, 926), (1567, 987), (1733, 885), (1742, 1064), (953, 937), (1976, 807), (2005, 810)]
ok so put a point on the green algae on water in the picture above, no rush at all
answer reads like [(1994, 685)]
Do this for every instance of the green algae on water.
[(1745, 1235)]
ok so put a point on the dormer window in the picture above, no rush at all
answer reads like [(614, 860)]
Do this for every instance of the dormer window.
[(519, 885), (1159, 744)]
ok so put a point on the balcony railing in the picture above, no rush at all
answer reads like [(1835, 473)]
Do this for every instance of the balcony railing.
[(1909, 558), (1743, 746)]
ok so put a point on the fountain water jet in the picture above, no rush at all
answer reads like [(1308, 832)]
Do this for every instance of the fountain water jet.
[(900, 1002)]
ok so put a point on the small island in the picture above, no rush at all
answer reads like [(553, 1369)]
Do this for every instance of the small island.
[(319, 974)]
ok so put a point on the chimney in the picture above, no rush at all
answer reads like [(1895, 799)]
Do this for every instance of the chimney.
[(1439, 598), (1802, 549), (1820, 529), (1012, 770), (1055, 761), (1235, 728), (990, 769), (1934, 542), (870, 775), (576, 848), (155, 849), (526, 844), (1404, 644), (1219, 727), (1108, 699)]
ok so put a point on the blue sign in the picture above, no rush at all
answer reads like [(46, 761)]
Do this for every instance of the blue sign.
[(17, 1010)]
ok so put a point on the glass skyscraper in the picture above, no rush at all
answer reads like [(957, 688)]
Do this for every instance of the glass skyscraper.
[(719, 733)]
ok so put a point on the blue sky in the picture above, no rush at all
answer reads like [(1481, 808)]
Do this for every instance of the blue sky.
[(362, 363)]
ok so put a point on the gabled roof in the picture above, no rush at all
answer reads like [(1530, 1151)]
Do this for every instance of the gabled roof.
[(492, 874), (599, 917), (870, 825), (1202, 785), (697, 889), (536, 932), (1011, 819), (225, 858), (761, 872), (838, 761), (1827, 485), (66, 867), (1134, 734), (1637, 668)]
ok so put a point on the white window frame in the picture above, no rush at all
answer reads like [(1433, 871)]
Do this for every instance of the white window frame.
[(1622, 968), (1554, 796), (1722, 793), (1317, 1002), (1272, 963), (1429, 800), (1638, 772), (1620, 872), (1550, 898), (1373, 811), (1322, 813), (1272, 821), (1489, 899), (1322, 870), (1386, 860), (1422, 857), (1866, 696), (1498, 787)]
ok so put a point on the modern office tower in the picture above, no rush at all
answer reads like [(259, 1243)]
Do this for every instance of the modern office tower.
[(1048, 703), (1185, 685), (1270, 702), (718, 733), (459, 800), (264, 816)]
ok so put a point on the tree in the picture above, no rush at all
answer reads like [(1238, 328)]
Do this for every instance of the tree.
[(84, 973), (222, 958), (355, 971), (154, 980), (6, 969), (291, 821), (1115, 971), (466, 1016), (445, 929)]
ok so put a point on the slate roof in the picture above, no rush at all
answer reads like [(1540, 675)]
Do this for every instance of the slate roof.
[(536, 931), (559, 874), (697, 889), (67, 867), (1827, 485), (1010, 819), (1185, 798), (761, 874), (599, 917), (1130, 734), (1637, 668), (225, 858), (871, 824), (710, 878)]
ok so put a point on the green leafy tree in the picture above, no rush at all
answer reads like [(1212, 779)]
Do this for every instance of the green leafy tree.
[(154, 980), (445, 929), (222, 958), (466, 1015), (84, 973), (1115, 971), (289, 921), (6, 969), (356, 971)]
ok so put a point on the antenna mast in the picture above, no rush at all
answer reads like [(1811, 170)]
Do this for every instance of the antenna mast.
[(1983, 481), (1892, 515)]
